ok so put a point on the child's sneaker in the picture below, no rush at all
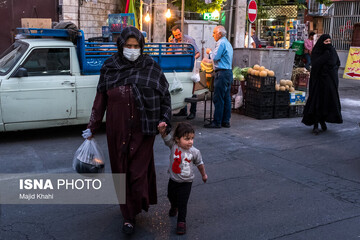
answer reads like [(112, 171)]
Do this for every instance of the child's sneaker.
[(173, 212), (181, 228)]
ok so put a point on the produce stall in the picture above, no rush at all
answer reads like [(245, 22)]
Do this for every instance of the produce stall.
[(265, 97)]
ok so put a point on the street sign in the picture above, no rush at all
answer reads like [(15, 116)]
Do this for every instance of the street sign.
[(352, 67), (252, 11), (209, 16)]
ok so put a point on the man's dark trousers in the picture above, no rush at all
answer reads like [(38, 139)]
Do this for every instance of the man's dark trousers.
[(222, 99)]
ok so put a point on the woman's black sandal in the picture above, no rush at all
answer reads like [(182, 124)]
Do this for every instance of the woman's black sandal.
[(316, 130), (323, 126), (128, 228)]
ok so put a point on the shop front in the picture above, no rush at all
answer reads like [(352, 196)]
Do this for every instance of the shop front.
[(275, 28)]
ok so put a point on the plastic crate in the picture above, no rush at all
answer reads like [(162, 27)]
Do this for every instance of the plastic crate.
[(296, 111), (258, 98), (281, 111), (304, 89), (282, 98), (301, 80), (263, 84), (258, 112)]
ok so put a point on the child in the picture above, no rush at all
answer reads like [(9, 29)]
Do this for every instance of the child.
[(182, 158)]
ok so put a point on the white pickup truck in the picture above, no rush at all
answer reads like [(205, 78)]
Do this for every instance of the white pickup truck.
[(46, 80)]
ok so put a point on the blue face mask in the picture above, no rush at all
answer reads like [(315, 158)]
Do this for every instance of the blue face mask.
[(131, 54)]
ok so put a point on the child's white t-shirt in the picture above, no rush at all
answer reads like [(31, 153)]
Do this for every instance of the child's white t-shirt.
[(182, 161)]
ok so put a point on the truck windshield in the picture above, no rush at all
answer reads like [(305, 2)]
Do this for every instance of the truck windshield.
[(11, 56)]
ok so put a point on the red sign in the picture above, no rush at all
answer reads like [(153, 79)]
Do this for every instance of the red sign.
[(252, 11)]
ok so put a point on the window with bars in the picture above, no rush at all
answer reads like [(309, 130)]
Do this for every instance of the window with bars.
[(340, 23)]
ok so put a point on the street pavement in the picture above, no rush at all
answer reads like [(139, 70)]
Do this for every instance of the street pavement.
[(267, 179)]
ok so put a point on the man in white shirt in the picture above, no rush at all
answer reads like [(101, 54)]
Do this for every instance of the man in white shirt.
[(252, 43)]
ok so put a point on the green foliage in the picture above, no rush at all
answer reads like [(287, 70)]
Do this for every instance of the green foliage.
[(199, 6), (326, 2)]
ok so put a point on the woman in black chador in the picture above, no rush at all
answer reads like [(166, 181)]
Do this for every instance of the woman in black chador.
[(323, 104)]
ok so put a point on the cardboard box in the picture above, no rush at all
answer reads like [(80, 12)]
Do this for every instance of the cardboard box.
[(36, 23), (205, 82), (297, 98)]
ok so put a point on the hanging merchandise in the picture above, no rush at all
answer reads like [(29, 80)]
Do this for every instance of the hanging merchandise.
[(176, 85), (196, 76)]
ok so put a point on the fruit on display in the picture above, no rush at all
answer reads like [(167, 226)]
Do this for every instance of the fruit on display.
[(263, 73), (256, 67), (271, 73), (285, 85)]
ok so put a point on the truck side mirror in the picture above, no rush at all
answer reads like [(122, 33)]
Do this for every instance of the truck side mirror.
[(21, 72)]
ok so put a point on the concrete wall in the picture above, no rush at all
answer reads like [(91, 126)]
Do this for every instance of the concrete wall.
[(279, 60), (93, 14), (343, 54)]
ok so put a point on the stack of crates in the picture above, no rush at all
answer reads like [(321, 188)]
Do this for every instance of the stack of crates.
[(259, 97), (281, 107), (297, 103), (296, 111)]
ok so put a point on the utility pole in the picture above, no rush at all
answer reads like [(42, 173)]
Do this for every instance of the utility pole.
[(182, 15), (159, 21), (240, 24)]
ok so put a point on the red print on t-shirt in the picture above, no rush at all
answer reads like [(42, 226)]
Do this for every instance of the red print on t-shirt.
[(177, 161)]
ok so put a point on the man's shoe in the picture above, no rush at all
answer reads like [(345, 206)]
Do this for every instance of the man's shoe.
[(179, 114), (225, 125), (191, 116), (212, 125), (181, 228)]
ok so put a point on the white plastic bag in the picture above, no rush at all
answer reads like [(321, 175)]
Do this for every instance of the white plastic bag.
[(89, 158), (196, 76), (239, 98), (176, 85)]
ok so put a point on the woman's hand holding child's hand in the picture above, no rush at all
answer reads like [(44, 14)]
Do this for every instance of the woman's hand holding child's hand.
[(162, 128)]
